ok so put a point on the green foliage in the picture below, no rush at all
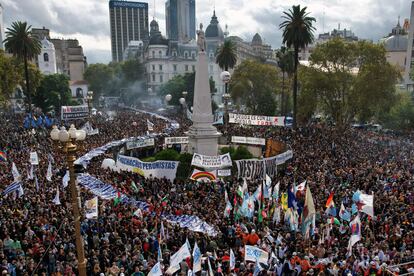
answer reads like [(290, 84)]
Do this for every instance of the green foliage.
[(9, 75), (347, 81), (167, 154), (226, 55), (52, 93), (401, 115), (239, 153), (286, 63), (255, 85), (99, 76), (181, 83), (297, 33)]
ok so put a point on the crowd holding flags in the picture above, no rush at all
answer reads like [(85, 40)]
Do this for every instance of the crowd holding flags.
[(30, 121)]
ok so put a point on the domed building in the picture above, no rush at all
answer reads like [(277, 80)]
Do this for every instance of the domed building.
[(396, 46), (166, 59)]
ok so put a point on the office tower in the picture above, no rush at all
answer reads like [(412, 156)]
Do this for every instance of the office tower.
[(180, 20), (129, 21)]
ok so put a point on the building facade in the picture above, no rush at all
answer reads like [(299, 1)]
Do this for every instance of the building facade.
[(134, 50), (180, 20), (166, 59), (128, 22), (46, 60), (409, 65), (2, 35), (70, 59), (396, 46)]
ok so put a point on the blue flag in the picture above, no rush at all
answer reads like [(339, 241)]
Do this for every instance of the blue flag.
[(292, 202)]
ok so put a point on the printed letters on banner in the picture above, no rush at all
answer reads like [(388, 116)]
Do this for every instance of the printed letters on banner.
[(34, 158), (258, 168), (204, 161), (248, 140), (256, 120), (140, 143), (74, 112), (158, 169), (91, 208), (176, 140), (224, 172)]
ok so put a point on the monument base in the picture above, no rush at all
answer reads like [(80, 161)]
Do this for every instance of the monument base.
[(203, 139)]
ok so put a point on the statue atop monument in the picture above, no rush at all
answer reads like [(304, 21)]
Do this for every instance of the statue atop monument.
[(201, 39)]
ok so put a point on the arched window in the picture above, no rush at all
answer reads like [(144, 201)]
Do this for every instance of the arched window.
[(186, 54), (45, 57), (79, 92), (160, 53)]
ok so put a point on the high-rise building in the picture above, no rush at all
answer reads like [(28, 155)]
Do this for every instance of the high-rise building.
[(180, 20), (129, 21), (2, 36)]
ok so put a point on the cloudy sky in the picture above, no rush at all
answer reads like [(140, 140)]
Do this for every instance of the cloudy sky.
[(88, 20)]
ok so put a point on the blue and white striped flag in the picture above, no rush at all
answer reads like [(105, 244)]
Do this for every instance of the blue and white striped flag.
[(15, 186)]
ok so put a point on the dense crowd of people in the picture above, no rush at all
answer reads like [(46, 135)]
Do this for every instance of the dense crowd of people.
[(37, 236)]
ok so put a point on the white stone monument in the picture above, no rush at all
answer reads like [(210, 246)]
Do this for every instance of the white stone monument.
[(203, 136)]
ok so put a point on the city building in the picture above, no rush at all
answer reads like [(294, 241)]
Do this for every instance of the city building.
[(180, 20), (46, 60), (255, 49), (79, 90), (396, 46), (134, 50), (70, 59), (128, 22), (2, 35), (409, 54), (166, 59), (345, 34)]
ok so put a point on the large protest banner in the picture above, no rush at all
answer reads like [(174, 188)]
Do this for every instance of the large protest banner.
[(258, 168), (74, 112), (256, 120), (140, 143), (248, 140), (205, 161), (255, 254), (176, 140), (159, 169)]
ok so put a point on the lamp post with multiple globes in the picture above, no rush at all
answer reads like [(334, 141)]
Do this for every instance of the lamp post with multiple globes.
[(67, 140), (89, 99)]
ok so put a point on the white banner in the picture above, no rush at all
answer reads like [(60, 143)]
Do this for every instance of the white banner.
[(256, 120), (255, 254), (34, 158), (74, 112), (248, 140), (205, 161), (202, 176), (258, 168), (224, 172), (176, 140), (91, 208), (158, 169), (141, 143)]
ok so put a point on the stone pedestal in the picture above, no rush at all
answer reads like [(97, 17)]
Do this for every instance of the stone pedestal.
[(203, 136)]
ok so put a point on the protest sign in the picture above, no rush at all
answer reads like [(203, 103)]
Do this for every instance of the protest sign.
[(203, 175), (34, 158), (158, 169), (91, 208), (248, 140), (140, 143), (255, 254), (226, 172), (74, 112), (176, 140), (205, 161), (256, 120)]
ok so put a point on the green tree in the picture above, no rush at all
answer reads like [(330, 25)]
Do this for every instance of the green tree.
[(254, 85), (132, 71), (348, 80), (226, 55), (9, 75), (53, 93), (99, 76), (22, 44), (401, 115), (297, 33), (286, 63)]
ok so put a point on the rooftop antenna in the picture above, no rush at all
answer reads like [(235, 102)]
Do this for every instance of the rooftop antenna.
[(323, 22)]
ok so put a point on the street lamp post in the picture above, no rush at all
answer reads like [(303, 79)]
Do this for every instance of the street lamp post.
[(67, 140), (89, 99), (225, 77)]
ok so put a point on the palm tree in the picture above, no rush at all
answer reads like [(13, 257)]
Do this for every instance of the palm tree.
[(286, 64), (21, 43), (226, 55), (297, 33)]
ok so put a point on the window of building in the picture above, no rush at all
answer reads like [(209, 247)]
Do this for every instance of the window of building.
[(193, 67), (193, 55), (153, 54), (153, 67), (153, 77), (45, 57), (186, 55), (186, 68), (160, 66), (175, 67), (160, 53), (174, 54), (79, 92), (161, 78)]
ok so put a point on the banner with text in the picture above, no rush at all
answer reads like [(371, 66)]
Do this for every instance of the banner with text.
[(74, 112), (248, 140), (140, 143), (226, 172), (205, 161), (258, 168), (176, 140), (256, 120), (255, 254), (91, 208), (158, 169)]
